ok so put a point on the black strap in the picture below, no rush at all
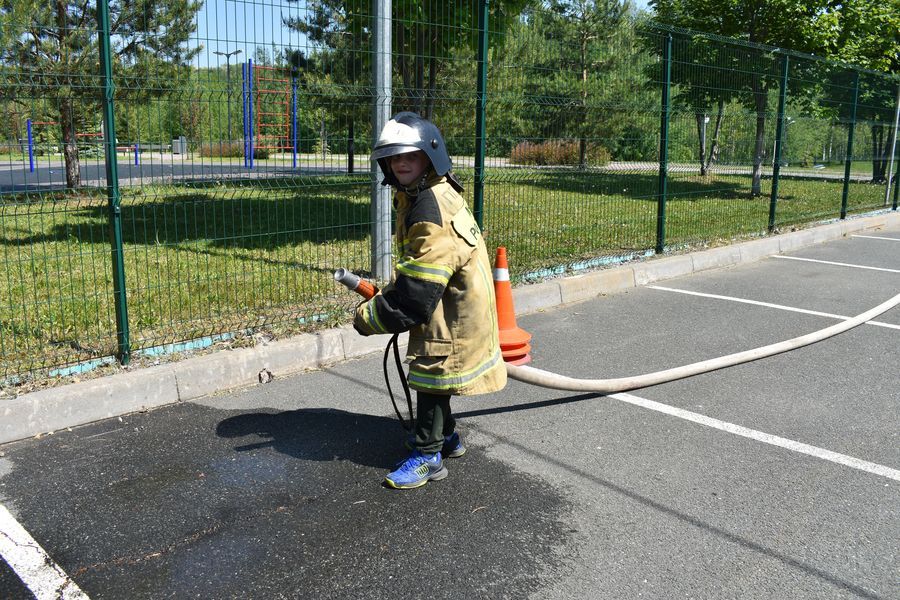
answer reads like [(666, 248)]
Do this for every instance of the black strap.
[(407, 425)]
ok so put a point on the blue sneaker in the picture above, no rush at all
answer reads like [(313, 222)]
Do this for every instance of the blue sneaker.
[(452, 448), (416, 471)]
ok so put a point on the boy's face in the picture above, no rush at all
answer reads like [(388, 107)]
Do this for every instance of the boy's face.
[(408, 167)]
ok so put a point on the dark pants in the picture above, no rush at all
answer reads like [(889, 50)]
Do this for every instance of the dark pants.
[(433, 421)]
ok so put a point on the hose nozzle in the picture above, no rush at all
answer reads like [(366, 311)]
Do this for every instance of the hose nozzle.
[(355, 283)]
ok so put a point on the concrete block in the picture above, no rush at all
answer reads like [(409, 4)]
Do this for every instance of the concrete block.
[(356, 345), (716, 258), (294, 354), (591, 285), (662, 268), (85, 402), (205, 375), (532, 298), (330, 347), (757, 249)]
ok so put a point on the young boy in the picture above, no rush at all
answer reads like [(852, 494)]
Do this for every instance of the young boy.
[(442, 293)]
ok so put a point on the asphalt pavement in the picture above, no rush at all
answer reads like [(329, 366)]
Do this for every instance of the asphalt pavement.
[(772, 479)]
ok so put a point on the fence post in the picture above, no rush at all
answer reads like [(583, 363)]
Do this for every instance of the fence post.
[(779, 141), (112, 186), (381, 114), (480, 102), (244, 111), (294, 122), (30, 146), (890, 173), (848, 160), (250, 112), (664, 148)]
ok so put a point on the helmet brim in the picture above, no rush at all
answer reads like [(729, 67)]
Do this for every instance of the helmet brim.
[(393, 150)]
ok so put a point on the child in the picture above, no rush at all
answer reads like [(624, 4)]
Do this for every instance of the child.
[(442, 293)]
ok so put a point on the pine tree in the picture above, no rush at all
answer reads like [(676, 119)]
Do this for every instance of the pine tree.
[(51, 50)]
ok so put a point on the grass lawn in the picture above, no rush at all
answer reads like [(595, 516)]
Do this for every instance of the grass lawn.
[(259, 255)]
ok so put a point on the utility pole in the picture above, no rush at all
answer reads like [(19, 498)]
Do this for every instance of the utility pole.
[(228, 56)]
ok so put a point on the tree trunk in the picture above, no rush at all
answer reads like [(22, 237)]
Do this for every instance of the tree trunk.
[(713, 154), (420, 70), (432, 76), (582, 141), (761, 100), (879, 154), (701, 138), (70, 143)]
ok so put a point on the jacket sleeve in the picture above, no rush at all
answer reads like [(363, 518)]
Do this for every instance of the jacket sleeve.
[(420, 279)]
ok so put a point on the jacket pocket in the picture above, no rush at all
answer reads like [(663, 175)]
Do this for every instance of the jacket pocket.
[(428, 347)]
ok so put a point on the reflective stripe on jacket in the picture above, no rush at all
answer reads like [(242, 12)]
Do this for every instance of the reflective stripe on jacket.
[(443, 294)]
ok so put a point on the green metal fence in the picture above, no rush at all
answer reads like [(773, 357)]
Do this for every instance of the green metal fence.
[(223, 172)]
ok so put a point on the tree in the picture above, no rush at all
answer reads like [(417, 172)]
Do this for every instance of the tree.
[(53, 47), (799, 25), (425, 35)]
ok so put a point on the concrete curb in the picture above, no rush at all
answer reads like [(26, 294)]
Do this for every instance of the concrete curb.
[(85, 402)]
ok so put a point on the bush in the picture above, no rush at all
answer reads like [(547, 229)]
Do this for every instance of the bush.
[(222, 149), (557, 152)]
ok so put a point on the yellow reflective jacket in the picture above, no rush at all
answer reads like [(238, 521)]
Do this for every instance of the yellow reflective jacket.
[(442, 292)]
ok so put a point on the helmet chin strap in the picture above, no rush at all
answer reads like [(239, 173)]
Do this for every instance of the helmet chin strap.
[(414, 191)]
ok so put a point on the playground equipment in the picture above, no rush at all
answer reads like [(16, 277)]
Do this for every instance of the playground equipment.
[(269, 98), (30, 125)]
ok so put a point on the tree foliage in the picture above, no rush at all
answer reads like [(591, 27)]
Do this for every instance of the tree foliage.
[(53, 49)]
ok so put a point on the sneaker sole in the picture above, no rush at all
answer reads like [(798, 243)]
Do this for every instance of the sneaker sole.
[(411, 486), (454, 454)]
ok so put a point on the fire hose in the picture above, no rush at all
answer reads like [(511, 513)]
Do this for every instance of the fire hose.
[(539, 377)]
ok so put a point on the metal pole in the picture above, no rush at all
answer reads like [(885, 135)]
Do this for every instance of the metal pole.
[(664, 147), (244, 111), (228, 95), (294, 121), (848, 160), (250, 107), (480, 116), (890, 173), (381, 114), (30, 146), (112, 186), (779, 142)]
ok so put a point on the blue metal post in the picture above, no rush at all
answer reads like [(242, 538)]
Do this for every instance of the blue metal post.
[(30, 147), (244, 109), (250, 106), (294, 118)]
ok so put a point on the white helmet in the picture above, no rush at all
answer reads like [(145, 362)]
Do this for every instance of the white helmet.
[(408, 132)]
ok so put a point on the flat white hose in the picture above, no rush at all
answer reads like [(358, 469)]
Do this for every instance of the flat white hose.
[(610, 386)]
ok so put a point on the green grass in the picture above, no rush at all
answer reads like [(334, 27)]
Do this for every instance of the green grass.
[(202, 260)]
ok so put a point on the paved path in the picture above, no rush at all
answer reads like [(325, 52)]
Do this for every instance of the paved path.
[(274, 491)]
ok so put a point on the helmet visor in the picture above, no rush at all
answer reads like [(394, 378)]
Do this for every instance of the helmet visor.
[(392, 150)]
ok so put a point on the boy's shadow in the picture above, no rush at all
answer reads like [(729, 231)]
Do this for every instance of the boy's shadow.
[(319, 434)]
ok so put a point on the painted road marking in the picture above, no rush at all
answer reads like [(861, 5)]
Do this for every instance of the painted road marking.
[(34, 567), (769, 305), (828, 262), (875, 237), (766, 438)]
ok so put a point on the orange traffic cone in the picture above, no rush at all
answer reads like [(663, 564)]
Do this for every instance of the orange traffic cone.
[(513, 340)]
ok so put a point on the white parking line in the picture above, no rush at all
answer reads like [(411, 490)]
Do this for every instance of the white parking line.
[(769, 305), (828, 262), (876, 237), (34, 567), (766, 438)]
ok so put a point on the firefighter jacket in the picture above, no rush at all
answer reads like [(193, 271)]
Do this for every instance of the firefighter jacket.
[(442, 292)]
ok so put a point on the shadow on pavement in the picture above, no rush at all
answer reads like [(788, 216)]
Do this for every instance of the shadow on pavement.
[(319, 435)]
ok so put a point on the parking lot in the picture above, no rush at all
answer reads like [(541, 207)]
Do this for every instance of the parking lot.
[(777, 478)]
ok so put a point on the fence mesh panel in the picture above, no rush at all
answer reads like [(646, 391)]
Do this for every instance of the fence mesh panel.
[(242, 139)]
